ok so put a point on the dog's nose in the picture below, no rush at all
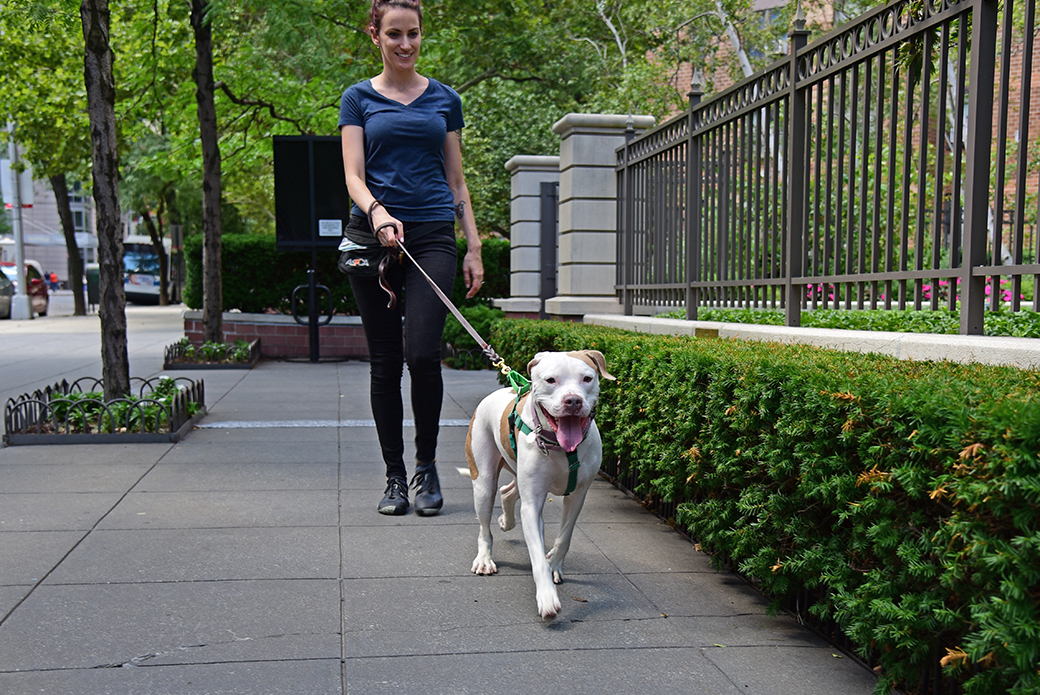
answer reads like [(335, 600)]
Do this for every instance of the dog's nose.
[(572, 402)]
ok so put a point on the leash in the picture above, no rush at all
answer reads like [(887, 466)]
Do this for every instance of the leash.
[(518, 381)]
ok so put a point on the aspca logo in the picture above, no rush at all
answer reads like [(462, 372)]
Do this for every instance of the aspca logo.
[(356, 263)]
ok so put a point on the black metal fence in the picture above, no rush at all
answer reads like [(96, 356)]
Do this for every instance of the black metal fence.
[(162, 410), (888, 164)]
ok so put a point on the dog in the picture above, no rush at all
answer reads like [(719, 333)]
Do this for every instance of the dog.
[(558, 450)]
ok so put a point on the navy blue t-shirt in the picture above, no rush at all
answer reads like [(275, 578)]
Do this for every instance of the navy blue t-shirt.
[(404, 148)]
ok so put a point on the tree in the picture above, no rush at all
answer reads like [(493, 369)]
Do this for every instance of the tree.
[(212, 293), (270, 67), (42, 91), (59, 184), (158, 117), (521, 66), (101, 98)]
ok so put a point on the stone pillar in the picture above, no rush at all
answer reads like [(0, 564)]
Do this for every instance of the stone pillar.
[(528, 173), (588, 213)]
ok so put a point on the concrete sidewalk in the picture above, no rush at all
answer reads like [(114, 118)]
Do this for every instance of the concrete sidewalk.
[(249, 558)]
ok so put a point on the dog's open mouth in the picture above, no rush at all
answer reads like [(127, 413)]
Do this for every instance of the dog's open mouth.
[(569, 429)]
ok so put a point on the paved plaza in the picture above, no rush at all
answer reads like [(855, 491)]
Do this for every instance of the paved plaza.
[(249, 558)]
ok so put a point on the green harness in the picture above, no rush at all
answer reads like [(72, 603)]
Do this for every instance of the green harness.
[(521, 385)]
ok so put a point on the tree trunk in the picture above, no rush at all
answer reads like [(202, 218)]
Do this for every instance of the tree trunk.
[(171, 213), (212, 292), (164, 262), (61, 193), (101, 99)]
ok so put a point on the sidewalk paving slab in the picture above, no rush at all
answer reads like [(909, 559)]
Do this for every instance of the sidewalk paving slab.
[(209, 554), (283, 677), (111, 625)]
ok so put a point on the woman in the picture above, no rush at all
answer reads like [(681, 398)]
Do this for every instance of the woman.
[(402, 155)]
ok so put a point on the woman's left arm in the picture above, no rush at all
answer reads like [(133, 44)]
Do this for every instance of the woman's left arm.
[(472, 264)]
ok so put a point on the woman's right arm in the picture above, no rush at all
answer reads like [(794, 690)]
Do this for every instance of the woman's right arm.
[(352, 138)]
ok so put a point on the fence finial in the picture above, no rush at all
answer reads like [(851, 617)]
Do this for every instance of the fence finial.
[(695, 94), (799, 17)]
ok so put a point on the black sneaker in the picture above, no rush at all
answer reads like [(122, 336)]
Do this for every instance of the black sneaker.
[(428, 499), (395, 501)]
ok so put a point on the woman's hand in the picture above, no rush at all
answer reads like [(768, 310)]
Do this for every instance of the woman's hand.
[(380, 221), (473, 271)]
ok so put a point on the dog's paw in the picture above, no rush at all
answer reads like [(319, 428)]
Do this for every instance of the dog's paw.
[(555, 566), (484, 565), (548, 603), (506, 522)]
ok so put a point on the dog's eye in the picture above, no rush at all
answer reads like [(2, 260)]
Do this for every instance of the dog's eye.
[(588, 379), (550, 380)]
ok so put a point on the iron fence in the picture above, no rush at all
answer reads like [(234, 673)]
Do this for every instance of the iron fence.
[(888, 164), (162, 410)]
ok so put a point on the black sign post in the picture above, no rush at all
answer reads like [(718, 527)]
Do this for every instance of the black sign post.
[(311, 209)]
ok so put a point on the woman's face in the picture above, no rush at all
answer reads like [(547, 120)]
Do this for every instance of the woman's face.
[(399, 38)]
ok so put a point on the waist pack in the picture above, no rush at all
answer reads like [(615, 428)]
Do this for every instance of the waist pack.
[(360, 259), (360, 253)]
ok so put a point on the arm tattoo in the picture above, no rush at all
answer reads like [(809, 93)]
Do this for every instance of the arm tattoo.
[(460, 210)]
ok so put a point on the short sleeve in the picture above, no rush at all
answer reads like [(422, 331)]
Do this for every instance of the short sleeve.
[(455, 120), (350, 110)]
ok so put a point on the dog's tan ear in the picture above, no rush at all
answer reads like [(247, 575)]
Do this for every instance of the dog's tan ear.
[(596, 360), (533, 362)]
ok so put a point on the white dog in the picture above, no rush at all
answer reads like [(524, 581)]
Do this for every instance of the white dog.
[(558, 450)]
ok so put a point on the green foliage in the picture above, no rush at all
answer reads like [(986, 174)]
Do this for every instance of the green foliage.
[(89, 413), (213, 351), (903, 496), (1020, 324), (480, 317), (42, 89), (493, 135), (280, 68), (465, 353), (257, 277), (494, 253)]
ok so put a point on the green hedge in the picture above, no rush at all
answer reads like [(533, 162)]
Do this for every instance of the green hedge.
[(1020, 324), (903, 496), (257, 277)]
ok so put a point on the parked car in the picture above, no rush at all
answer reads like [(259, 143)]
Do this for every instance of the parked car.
[(36, 287), (6, 292)]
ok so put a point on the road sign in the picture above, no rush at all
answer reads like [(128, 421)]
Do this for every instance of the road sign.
[(25, 179)]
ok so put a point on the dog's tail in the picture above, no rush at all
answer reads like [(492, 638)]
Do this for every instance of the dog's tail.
[(473, 472)]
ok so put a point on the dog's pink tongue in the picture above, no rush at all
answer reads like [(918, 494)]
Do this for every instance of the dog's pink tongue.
[(569, 432)]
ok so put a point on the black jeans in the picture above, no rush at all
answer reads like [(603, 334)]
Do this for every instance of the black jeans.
[(417, 342)]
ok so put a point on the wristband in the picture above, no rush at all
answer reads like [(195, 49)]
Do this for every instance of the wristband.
[(373, 207)]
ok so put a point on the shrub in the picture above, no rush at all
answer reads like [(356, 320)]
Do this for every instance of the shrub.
[(464, 353), (257, 277), (480, 317), (903, 496), (1020, 324), (495, 254), (186, 351)]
